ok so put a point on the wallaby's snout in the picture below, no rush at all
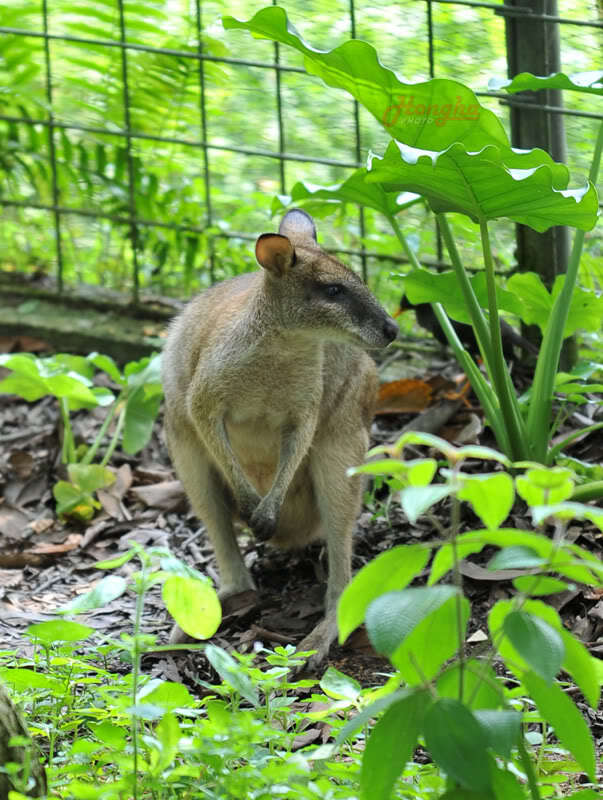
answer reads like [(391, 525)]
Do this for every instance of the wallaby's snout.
[(390, 330)]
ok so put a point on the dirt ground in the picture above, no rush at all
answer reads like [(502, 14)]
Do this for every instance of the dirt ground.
[(45, 562)]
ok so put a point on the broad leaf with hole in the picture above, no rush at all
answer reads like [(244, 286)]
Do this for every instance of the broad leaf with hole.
[(568, 510), (431, 115), (587, 82), (525, 186), (474, 541), (391, 570)]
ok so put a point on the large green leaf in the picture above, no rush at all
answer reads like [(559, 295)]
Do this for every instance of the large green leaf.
[(473, 682), (502, 729), (194, 605), (456, 742), (423, 286), (355, 189), (569, 724), (432, 114), (491, 496), (394, 615), (536, 641), (391, 570), (495, 181), (588, 82), (391, 744), (433, 641), (528, 294)]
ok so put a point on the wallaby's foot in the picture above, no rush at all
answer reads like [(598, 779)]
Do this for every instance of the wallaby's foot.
[(320, 639), (263, 521), (178, 636)]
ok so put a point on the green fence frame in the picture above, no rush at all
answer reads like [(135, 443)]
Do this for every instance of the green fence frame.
[(133, 220)]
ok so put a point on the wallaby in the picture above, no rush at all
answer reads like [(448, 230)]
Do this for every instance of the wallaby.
[(269, 396)]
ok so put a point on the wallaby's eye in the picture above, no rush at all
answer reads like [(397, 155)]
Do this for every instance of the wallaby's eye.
[(334, 290)]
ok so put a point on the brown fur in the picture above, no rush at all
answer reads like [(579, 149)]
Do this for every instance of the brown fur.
[(269, 400)]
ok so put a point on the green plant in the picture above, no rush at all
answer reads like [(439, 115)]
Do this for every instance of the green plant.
[(473, 725), (455, 153), (108, 730), (69, 379)]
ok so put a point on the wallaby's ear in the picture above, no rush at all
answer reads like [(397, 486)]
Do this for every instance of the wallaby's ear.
[(275, 253), (298, 226)]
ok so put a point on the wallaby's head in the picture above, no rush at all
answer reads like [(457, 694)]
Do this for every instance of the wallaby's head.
[(314, 292)]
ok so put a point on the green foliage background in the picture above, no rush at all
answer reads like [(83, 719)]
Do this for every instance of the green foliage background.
[(241, 112)]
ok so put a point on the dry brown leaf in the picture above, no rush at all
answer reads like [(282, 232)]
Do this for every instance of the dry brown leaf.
[(72, 542), (20, 344), (403, 397), (13, 523), (166, 495), (41, 525), (22, 463), (477, 573), (305, 738)]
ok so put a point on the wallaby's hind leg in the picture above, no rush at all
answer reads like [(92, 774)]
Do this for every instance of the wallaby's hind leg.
[(212, 502), (339, 498)]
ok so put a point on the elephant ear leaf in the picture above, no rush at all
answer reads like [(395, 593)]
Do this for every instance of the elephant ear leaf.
[(354, 189), (587, 82), (431, 115), (525, 186)]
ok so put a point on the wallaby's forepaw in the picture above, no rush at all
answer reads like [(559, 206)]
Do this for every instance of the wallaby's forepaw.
[(248, 503), (263, 521)]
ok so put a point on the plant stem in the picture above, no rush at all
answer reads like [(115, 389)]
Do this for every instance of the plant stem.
[(455, 524), (477, 315), (528, 768), (68, 449), (115, 438), (92, 450), (481, 388), (499, 372), (136, 657), (541, 401)]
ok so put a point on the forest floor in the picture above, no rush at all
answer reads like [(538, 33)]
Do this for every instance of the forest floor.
[(46, 562)]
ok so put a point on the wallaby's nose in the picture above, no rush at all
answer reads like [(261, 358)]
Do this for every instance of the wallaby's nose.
[(390, 329)]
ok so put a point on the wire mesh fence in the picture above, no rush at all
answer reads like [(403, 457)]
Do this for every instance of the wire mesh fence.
[(141, 146)]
